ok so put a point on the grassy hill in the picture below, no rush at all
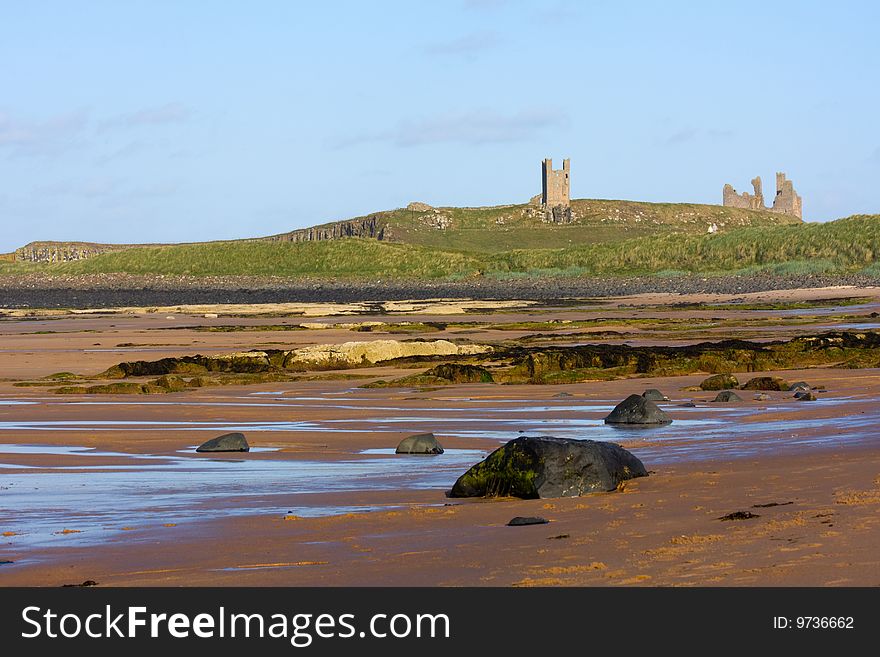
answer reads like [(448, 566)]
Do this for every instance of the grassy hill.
[(842, 246), (506, 227)]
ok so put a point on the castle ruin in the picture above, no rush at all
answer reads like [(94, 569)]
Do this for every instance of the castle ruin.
[(787, 201), (556, 191)]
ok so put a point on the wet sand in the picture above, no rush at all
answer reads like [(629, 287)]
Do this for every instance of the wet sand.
[(107, 487)]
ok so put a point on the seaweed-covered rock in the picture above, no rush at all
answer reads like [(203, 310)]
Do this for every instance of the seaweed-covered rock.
[(762, 396), (171, 383), (798, 386), (544, 466), (459, 373), (719, 382), (635, 409), (726, 396), (653, 394), (766, 383), (228, 442), (420, 443)]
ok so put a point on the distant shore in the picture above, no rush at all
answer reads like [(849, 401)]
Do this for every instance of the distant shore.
[(114, 290)]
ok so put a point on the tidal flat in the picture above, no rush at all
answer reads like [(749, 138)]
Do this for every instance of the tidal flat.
[(99, 478)]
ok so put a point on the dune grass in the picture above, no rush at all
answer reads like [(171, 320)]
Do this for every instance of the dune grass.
[(845, 245)]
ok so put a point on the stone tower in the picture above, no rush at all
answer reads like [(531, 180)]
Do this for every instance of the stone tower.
[(555, 185), (787, 200)]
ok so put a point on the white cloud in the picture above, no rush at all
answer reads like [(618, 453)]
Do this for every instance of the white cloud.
[(46, 137), (468, 45), (473, 128), (148, 116)]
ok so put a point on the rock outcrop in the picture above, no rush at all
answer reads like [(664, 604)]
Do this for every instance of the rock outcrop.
[(377, 351), (372, 226)]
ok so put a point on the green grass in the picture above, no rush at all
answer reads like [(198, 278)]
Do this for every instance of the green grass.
[(843, 246), (349, 258)]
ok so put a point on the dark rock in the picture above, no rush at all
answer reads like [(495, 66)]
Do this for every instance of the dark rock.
[(770, 504), (720, 382), (766, 383), (3, 563), (228, 442), (688, 405), (522, 521), (652, 394), (562, 395), (421, 443), (800, 385), (805, 396), (558, 537), (727, 396), (88, 582), (538, 467), (739, 515), (635, 409)]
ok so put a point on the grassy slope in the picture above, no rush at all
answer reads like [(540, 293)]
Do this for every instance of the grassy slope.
[(845, 245)]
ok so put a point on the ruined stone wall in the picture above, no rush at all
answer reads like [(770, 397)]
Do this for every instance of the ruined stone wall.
[(372, 226), (733, 200), (786, 200)]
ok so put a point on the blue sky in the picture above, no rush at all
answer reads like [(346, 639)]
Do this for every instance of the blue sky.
[(173, 121)]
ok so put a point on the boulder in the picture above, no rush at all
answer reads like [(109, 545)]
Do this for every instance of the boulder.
[(420, 443), (635, 409), (800, 385), (762, 396), (766, 383), (805, 396), (727, 396), (228, 442), (544, 466), (653, 394), (719, 382)]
